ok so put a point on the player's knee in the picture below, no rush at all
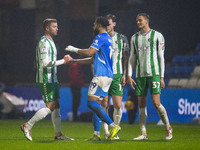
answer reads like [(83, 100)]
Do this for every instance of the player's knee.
[(104, 104), (51, 106), (57, 105), (117, 106), (156, 105), (141, 105)]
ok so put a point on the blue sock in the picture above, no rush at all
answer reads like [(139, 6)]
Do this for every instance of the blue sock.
[(100, 112), (96, 122)]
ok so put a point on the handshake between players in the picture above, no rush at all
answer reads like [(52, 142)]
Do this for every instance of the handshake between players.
[(68, 58)]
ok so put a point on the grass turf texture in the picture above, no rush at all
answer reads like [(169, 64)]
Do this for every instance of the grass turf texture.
[(185, 136)]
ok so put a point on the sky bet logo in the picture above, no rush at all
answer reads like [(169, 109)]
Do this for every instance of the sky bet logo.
[(187, 108)]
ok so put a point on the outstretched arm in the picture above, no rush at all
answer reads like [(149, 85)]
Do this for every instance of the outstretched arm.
[(83, 52), (88, 60), (65, 60)]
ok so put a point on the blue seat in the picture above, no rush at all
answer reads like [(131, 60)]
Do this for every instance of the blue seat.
[(196, 59), (184, 71), (170, 71), (179, 71), (197, 49), (167, 81), (188, 60), (190, 69), (177, 60)]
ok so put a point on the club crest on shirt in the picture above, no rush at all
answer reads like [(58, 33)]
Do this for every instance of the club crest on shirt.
[(43, 48), (149, 40)]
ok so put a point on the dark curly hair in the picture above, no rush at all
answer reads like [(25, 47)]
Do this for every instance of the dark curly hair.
[(102, 21), (110, 16)]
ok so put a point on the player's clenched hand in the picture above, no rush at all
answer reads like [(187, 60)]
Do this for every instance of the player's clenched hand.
[(67, 58), (131, 82), (71, 49)]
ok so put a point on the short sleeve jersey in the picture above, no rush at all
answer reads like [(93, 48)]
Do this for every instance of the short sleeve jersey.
[(102, 59)]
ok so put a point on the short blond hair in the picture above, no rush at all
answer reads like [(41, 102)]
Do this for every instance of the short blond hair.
[(47, 22)]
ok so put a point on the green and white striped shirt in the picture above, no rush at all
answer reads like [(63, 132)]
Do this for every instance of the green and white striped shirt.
[(120, 44), (46, 56), (147, 54)]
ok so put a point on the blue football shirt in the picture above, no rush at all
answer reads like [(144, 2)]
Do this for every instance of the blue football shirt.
[(102, 59)]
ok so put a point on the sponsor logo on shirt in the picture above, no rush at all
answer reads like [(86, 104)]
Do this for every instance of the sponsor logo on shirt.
[(116, 42), (43, 53), (162, 43)]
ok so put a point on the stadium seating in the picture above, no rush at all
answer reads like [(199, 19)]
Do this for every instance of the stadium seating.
[(173, 82), (186, 60), (184, 71), (197, 50), (182, 83), (179, 71), (198, 84), (196, 71), (177, 60), (192, 83)]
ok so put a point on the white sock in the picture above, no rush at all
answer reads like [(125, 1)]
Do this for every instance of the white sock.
[(56, 120), (112, 125), (105, 125), (117, 115), (163, 116), (97, 133), (39, 115), (142, 120)]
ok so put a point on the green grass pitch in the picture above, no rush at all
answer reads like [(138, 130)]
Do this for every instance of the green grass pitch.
[(185, 137)]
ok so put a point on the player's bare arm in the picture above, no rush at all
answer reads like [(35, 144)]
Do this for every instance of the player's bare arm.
[(82, 61), (125, 63)]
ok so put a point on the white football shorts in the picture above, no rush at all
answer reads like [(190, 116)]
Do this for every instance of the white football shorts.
[(99, 86)]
